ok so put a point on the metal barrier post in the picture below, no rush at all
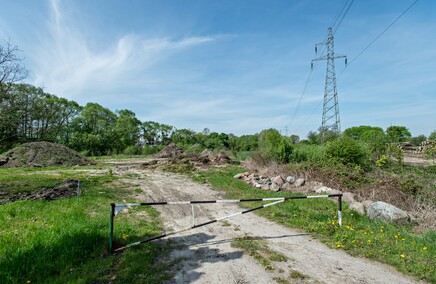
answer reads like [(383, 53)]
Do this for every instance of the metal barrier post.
[(111, 236), (340, 210)]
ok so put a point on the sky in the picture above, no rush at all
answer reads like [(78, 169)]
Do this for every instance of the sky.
[(232, 66)]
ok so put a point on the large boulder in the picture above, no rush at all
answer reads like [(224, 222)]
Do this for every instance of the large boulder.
[(278, 180), (384, 211), (358, 207), (299, 182)]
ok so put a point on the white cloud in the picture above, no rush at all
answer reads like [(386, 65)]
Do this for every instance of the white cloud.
[(66, 64)]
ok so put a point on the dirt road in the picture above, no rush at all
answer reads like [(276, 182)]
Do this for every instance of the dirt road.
[(207, 254)]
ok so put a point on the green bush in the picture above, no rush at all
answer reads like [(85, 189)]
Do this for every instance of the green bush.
[(306, 152), (151, 150), (133, 150), (284, 151), (347, 151)]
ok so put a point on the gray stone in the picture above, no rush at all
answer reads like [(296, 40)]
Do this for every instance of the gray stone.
[(348, 197), (300, 182), (265, 187), (387, 212), (257, 185), (366, 203), (274, 187), (328, 190), (290, 179), (278, 180), (357, 206), (240, 176), (286, 186)]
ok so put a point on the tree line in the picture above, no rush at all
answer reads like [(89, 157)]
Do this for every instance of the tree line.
[(28, 113)]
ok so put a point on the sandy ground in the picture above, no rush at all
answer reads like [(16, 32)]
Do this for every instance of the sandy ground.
[(206, 253)]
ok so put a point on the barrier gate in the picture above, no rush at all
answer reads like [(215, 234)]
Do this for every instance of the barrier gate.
[(116, 208)]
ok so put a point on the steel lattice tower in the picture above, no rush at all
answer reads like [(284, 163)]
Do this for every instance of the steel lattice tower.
[(330, 110)]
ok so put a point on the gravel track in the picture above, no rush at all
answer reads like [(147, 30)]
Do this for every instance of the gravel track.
[(208, 257)]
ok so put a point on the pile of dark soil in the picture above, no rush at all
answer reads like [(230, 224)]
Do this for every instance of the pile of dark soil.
[(42, 154), (222, 159), (170, 151), (67, 188)]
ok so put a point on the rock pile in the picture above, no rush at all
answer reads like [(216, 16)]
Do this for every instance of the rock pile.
[(374, 210), (277, 183)]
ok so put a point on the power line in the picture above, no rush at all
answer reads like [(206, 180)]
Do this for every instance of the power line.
[(339, 13), (371, 43), (343, 16)]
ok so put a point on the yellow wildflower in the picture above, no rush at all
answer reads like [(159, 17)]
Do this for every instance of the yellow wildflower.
[(402, 256), (424, 248)]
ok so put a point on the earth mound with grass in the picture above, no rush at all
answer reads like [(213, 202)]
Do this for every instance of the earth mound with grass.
[(42, 154)]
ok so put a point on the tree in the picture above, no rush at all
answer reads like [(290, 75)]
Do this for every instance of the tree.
[(127, 130), (150, 132), (397, 133), (94, 130), (432, 136), (269, 140), (359, 132), (418, 139), (30, 114), (183, 136), (11, 68), (294, 138)]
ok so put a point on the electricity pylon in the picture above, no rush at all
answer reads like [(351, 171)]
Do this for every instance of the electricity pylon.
[(330, 110)]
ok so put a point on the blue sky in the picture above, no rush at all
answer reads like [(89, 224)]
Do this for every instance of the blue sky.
[(231, 66)]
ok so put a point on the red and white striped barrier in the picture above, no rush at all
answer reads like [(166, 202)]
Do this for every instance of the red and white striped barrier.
[(116, 208)]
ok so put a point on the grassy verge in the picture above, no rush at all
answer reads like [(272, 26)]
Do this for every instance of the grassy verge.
[(66, 240), (398, 246)]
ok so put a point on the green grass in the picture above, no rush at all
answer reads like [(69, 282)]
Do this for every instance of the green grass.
[(65, 241), (398, 246), (259, 251)]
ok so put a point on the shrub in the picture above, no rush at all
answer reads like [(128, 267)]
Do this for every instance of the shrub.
[(347, 151), (284, 151), (151, 150), (133, 150), (307, 152)]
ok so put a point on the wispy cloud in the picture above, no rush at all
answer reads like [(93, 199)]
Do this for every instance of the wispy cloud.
[(66, 64)]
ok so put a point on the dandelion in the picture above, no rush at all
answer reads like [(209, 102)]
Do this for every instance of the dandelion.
[(369, 241), (402, 256), (125, 236), (424, 248)]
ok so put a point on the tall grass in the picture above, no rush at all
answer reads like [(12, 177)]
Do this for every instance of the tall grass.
[(65, 241)]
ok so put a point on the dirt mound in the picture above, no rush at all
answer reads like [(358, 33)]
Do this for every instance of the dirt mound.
[(42, 154), (222, 158), (170, 151), (67, 188)]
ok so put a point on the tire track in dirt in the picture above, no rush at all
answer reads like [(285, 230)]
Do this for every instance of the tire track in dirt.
[(207, 254)]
